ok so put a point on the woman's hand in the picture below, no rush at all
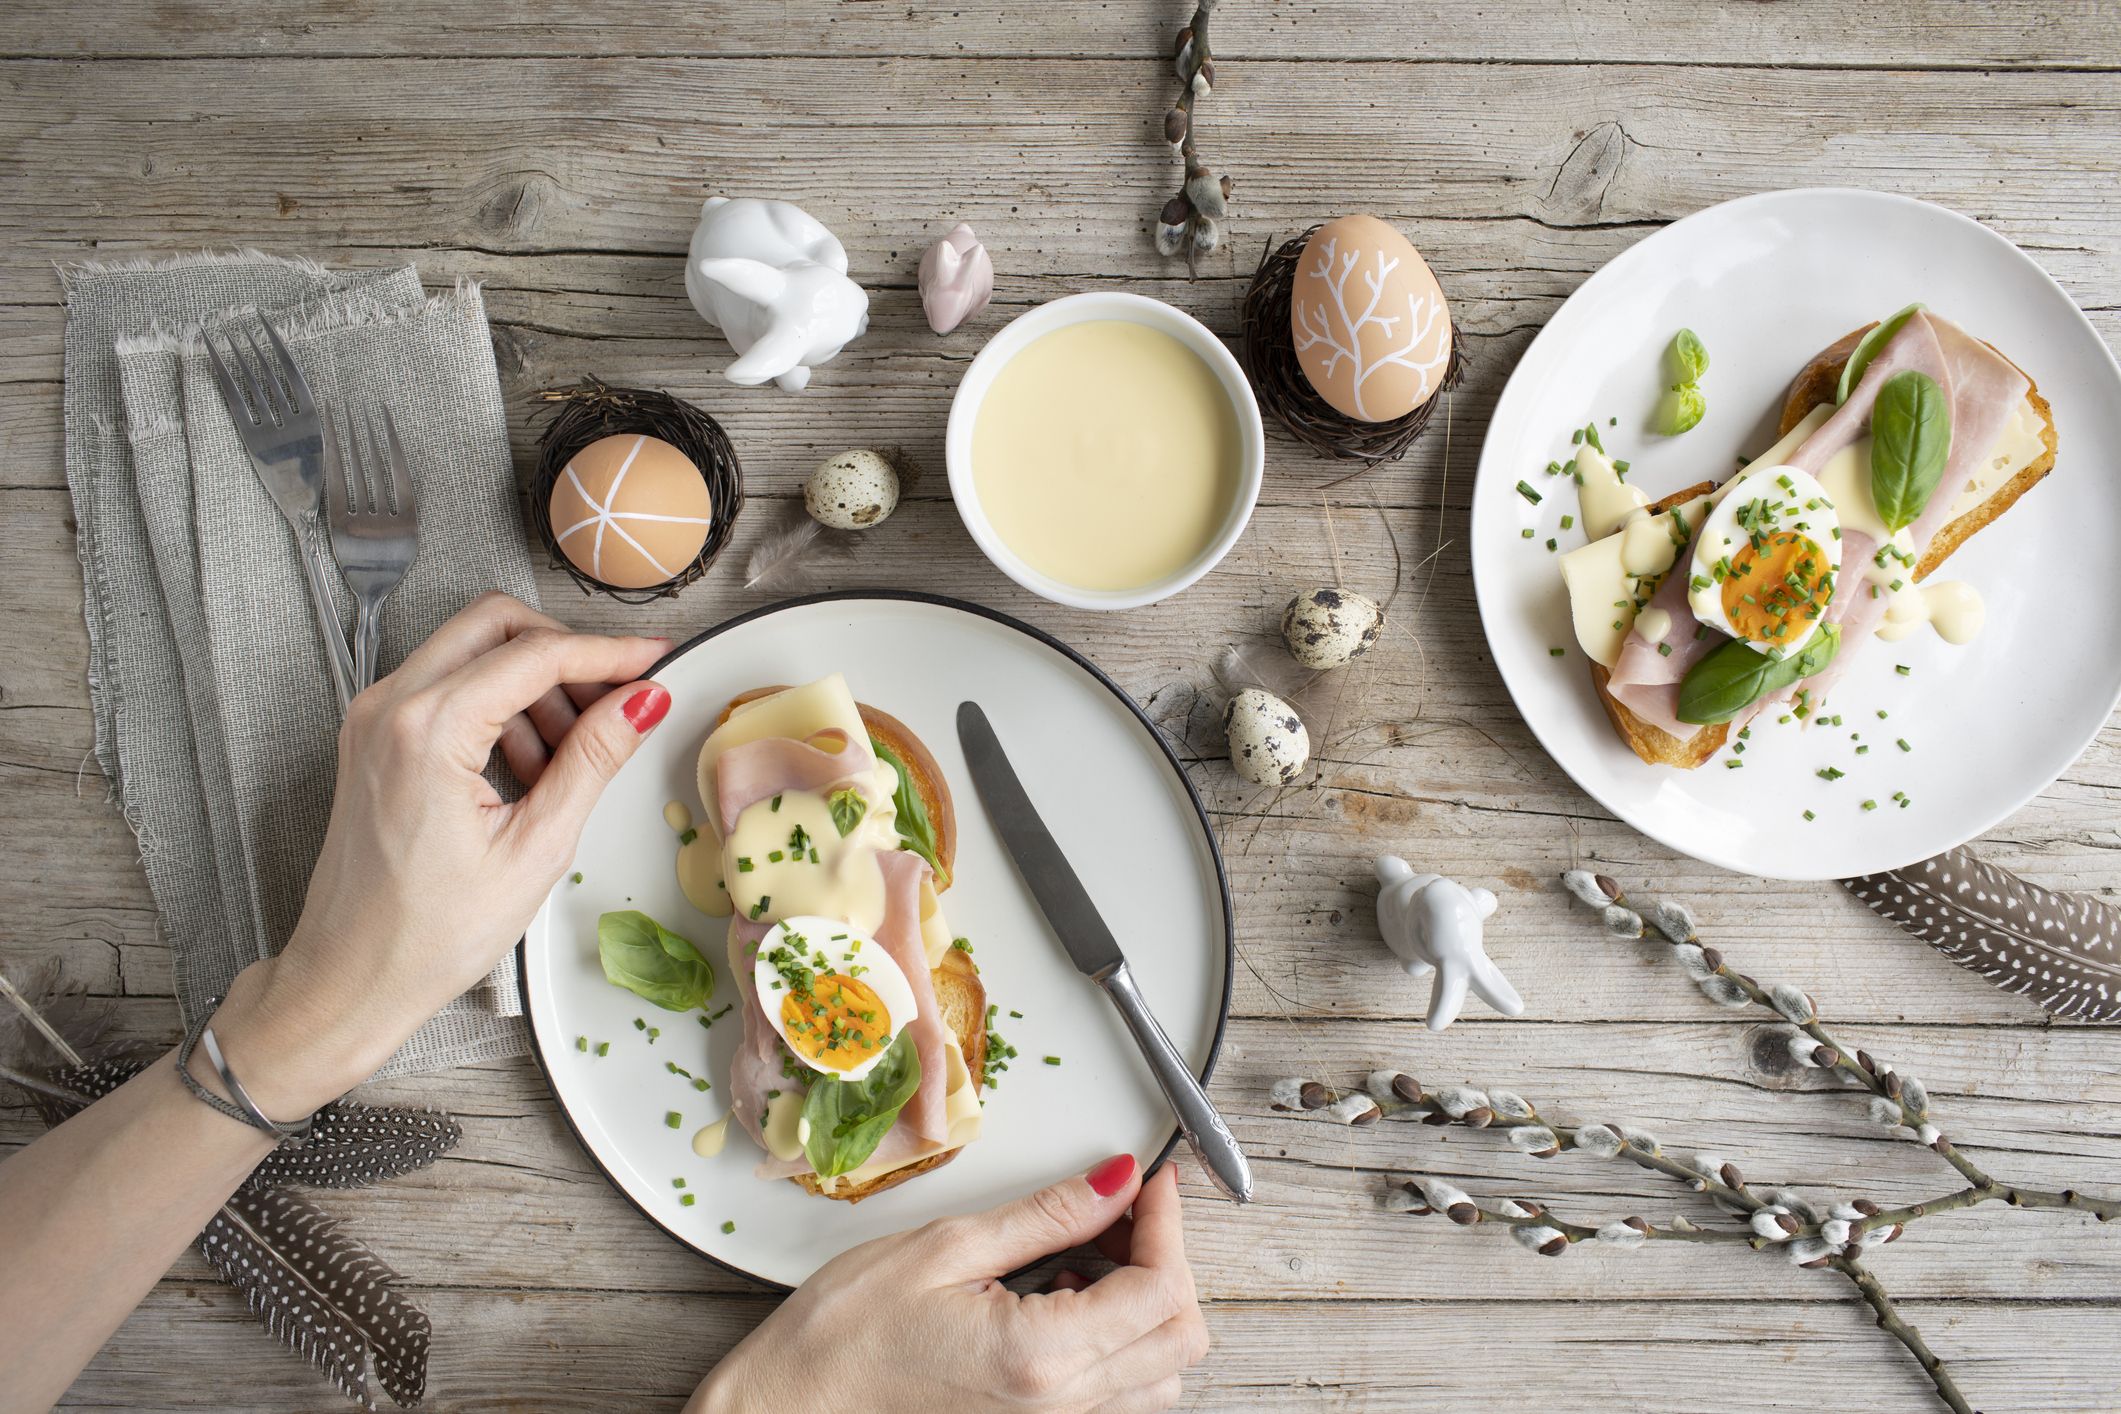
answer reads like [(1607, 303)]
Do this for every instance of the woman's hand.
[(427, 877), (920, 1321)]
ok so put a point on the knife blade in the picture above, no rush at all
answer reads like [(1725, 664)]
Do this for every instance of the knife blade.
[(1092, 948)]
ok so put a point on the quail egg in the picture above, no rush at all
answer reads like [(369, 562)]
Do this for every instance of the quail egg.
[(852, 491), (1329, 628), (1268, 743)]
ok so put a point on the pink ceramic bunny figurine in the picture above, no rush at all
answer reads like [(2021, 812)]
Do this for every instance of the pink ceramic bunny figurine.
[(1433, 925), (957, 279)]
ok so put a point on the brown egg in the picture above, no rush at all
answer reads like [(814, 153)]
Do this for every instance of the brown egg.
[(1371, 329), (630, 511)]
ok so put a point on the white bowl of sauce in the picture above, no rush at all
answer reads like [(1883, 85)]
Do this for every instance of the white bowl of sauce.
[(1105, 450)]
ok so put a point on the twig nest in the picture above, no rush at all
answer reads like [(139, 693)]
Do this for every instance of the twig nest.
[(852, 491), (1285, 390), (1329, 628), (1268, 743), (1368, 320), (636, 492)]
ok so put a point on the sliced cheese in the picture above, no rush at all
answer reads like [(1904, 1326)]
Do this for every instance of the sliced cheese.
[(798, 712), (1847, 474), (1609, 577), (935, 932)]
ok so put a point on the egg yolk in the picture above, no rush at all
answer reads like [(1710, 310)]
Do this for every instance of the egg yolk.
[(837, 1023), (1776, 586)]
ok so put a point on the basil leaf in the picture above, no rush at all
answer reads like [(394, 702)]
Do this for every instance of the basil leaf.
[(652, 962), (847, 808), (1685, 360), (1734, 676), (849, 1118), (1867, 348), (1679, 410), (1911, 437), (915, 829)]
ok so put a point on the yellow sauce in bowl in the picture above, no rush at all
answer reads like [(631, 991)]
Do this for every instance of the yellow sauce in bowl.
[(1106, 455)]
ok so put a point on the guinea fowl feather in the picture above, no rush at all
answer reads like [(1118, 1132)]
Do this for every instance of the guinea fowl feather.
[(2062, 950), (312, 1286)]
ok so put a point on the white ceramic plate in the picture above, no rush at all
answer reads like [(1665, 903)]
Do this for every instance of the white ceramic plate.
[(1103, 781), (1767, 281)]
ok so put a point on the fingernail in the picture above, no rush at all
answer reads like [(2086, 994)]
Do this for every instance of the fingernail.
[(1066, 1280), (1111, 1175), (646, 707)]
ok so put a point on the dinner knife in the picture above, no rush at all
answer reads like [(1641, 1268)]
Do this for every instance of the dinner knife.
[(1093, 949)]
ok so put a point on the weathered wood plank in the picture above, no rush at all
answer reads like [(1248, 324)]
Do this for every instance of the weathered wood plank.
[(519, 1205), (593, 1351), (1933, 33)]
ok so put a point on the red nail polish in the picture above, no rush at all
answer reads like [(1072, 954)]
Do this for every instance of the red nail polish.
[(1111, 1175), (646, 707)]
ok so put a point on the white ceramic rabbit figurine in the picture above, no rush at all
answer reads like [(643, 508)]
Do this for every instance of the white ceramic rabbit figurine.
[(774, 281), (1433, 924)]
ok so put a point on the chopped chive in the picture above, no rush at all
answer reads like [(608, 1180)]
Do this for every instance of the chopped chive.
[(1861, 750), (672, 1120), (581, 1043), (1052, 1060), (577, 876), (1553, 652), (1831, 773), (775, 857), (776, 803), (728, 1227), (1901, 668), (1550, 542), (744, 864), (677, 1183), (1568, 522), (701, 1083), (1017, 1014), (689, 836), (1665, 649), (1524, 489), (1733, 764), (639, 1025), (1527, 533), (603, 1048), (1810, 816), (1870, 805), (686, 1200)]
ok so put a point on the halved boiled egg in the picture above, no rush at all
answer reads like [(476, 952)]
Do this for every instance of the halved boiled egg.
[(834, 995), (1766, 559)]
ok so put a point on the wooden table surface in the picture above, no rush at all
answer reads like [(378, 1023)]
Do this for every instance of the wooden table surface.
[(559, 151)]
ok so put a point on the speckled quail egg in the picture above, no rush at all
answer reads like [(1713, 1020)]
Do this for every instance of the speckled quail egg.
[(852, 491), (1329, 628), (1268, 743)]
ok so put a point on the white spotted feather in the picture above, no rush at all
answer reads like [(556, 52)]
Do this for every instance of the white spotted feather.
[(2062, 950)]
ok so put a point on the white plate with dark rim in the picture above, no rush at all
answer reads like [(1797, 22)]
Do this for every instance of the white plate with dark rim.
[(1767, 281), (1113, 795)]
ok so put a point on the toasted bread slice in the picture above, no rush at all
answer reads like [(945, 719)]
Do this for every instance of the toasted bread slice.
[(963, 1000), (1654, 744), (959, 993), (1815, 384), (1820, 379)]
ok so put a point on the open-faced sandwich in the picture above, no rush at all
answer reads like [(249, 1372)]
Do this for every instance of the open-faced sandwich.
[(864, 1019), (1705, 609)]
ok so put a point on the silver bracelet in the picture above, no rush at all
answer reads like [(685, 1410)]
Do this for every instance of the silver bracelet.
[(245, 1109)]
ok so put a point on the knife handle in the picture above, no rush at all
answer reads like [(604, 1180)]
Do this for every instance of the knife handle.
[(1197, 1120)]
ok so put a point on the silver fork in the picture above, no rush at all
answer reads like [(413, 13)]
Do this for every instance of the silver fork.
[(276, 417), (375, 521)]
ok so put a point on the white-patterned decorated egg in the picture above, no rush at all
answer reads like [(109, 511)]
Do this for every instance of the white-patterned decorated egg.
[(1371, 329)]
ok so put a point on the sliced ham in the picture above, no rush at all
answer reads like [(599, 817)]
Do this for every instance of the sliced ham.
[(1983, 390), (758, 770), (923, 1124)]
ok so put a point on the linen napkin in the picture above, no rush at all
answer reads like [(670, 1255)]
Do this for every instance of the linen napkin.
[(215, 718)]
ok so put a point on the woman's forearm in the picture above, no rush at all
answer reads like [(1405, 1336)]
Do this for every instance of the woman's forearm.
[(93, 1213)]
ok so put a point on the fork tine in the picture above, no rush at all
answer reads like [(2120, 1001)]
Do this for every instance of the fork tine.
[(401, 488), (275, 395), (290, 371), (364, 480), (339, 507), (230, 393), (379, 485)]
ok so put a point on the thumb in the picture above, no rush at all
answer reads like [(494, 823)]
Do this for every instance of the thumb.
[(1054, 1219), (602, 740)]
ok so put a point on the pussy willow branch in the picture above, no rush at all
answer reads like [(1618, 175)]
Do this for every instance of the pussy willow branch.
[(1779, 1219), (1191, 221), (1908, 1104)]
